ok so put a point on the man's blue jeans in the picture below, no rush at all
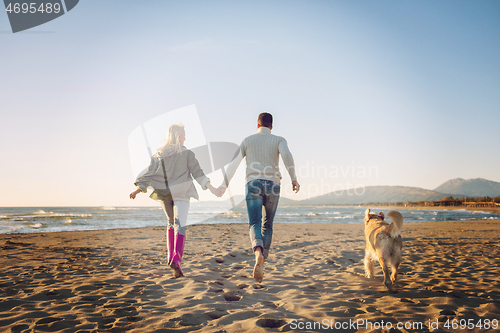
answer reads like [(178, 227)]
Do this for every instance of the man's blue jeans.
[(262, 193)]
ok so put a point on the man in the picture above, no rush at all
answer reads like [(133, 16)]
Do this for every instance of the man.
[(262, 151)]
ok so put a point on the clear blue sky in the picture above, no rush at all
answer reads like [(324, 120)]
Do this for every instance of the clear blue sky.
[(408, 88)]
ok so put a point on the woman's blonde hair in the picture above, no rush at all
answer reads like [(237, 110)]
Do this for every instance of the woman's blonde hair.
[(172, 144)]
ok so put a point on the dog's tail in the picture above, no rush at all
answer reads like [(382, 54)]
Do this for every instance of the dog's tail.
[(397, 223)]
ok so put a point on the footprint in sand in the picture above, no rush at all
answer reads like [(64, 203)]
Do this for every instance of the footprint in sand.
[(271, 322), (215, 290), (357, 300), (216, 314), (310, 289), (298, 276), (271, 304), (447, 312), (231, 296), (20, 328), (216, 283), (47, 320), (138, 288), (90, 299), (125, 311)]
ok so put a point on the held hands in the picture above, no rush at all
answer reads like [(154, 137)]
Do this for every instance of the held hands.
[(295, 186), (215, 191), (134, 194), (220, 191)]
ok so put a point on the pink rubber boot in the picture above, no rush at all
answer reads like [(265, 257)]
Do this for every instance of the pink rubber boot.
[(176, 260), (170, 245)]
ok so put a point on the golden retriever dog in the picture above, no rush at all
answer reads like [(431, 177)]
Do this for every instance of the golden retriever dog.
[(383, 243)]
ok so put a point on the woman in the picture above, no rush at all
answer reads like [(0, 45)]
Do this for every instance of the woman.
[(170, 174)]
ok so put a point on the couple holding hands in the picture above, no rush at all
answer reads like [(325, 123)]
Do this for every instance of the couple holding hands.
[(173, 166)]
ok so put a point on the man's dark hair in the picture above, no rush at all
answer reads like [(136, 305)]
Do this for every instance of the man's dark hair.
[(265, 119)]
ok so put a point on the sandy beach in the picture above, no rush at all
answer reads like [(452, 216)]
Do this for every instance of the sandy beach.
[(117, 281)]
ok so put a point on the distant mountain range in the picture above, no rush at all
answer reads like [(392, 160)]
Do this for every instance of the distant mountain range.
[(478, 187), (457, 188), (375, 194)]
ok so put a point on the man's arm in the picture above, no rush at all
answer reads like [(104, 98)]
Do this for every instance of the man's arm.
[(233, 166), (231, 169), (287, 158)]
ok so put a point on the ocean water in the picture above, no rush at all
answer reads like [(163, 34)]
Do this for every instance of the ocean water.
[(53, 219)]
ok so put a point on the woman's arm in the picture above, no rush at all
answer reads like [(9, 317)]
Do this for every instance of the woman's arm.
[(197, 172), (209, 186), (134, 194), (144, 179)]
